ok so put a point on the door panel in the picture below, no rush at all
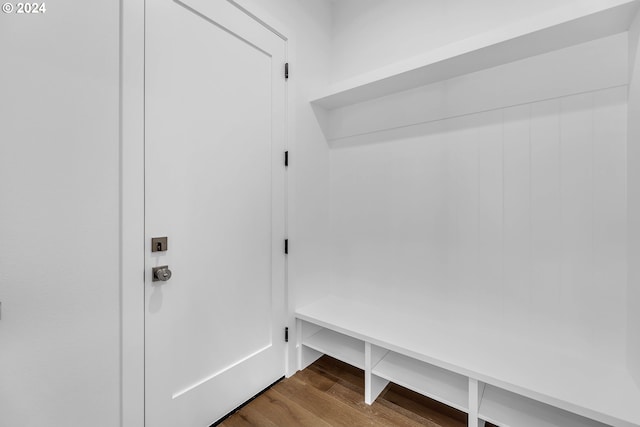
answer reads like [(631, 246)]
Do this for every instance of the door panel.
[(215, 186)]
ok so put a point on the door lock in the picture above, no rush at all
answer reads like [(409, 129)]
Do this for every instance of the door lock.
[(159, 244), (161, 274)]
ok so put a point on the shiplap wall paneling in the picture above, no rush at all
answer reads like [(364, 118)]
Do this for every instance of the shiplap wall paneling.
[(464, 247), (475, 263), (387, 216), (576, 186), (490, 220), (516, 145), (514, 216), (608, 296), (543, 237)]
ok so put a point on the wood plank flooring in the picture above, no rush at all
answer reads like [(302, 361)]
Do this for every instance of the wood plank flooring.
[(331, 393)]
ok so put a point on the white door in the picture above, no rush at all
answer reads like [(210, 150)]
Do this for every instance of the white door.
[(214, 183)]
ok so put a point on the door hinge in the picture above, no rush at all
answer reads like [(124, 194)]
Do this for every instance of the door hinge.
[(286, 246), (286, 158), (286, 334), (286, 71)]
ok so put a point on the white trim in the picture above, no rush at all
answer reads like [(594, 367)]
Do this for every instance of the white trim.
[(263, 18), (132, 211), (277, 27)]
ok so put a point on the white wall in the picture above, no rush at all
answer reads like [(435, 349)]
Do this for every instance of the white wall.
[(512, 217), (59, 209), (633, 194), (308, 23), (369, 34)]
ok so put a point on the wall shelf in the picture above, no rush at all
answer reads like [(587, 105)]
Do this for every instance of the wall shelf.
[(579, 23), (428, 380)]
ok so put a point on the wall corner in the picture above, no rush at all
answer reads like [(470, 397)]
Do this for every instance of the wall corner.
[(633, 203)]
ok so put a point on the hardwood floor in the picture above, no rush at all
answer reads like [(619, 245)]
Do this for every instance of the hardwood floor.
[(331, 393)]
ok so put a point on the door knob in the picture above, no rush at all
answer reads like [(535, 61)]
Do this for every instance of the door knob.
[(161, 274)]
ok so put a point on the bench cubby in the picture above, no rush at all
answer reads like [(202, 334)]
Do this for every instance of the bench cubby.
[(436, 383)]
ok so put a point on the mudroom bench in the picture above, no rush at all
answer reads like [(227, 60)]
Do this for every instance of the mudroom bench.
[(493, 378)]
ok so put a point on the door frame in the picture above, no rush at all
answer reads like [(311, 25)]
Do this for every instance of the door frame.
[(132, 193)]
